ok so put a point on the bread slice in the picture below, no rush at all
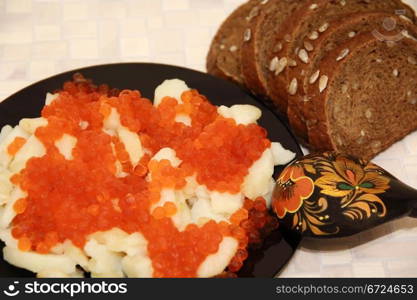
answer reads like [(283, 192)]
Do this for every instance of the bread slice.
[(308, 23), (270, 43), (299, 105), (223, 58), (366, 95), (263, 28)]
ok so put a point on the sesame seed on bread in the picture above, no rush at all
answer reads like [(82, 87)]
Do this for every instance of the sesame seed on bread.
[(256, 50), (366, 95), (299, 104), (307, 24), (223, 59)]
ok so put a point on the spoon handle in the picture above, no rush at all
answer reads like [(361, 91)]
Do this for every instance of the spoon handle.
[(333, 195)]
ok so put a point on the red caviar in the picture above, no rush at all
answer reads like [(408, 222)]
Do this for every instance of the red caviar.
[(70, 199), (16, 145), (24, 244), (20, 205)]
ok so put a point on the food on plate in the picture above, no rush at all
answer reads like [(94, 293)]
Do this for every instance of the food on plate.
[(109, 183), (283, 53)]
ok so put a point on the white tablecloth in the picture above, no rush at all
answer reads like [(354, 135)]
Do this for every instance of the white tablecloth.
[(39, 38)]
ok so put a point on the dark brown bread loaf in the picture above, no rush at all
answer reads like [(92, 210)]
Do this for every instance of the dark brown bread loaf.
[(256, 49), (223, 59), (306, 25), (365, 101), (273, 44), (299, 105)]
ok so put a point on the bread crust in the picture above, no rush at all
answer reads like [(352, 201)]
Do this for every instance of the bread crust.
[(230, 30), (277, 85), (270, 17)]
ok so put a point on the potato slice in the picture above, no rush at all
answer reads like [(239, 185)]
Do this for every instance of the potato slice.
[(50, 98), (226, 203), (132, 144), (30, 125), (215, 263), (170, 88), (8, 136), (281, 155), (65, 145), (244, 114), (103, 262), (32, 148), (256, 183), (39, 263), (8, 213), (138, 266), (169, 154)]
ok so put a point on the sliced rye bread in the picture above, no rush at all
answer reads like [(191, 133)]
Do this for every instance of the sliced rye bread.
[(307, 23), (262, 28), (339, 32), (223, 58), (273, 42), (367, 100)]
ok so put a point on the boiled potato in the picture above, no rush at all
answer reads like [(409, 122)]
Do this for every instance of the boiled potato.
[(103, 262), (38, 263), (30, 125), (170, 88), (242, 113), (32, 148), (65, 145), (256, 183), (215, 263)]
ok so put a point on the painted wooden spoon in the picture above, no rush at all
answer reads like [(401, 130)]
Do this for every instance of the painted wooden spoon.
[(334, 195)]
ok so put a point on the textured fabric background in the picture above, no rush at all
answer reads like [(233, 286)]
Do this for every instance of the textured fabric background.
[(39, 38)]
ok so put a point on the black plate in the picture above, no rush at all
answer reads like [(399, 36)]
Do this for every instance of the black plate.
[(278, 247)]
